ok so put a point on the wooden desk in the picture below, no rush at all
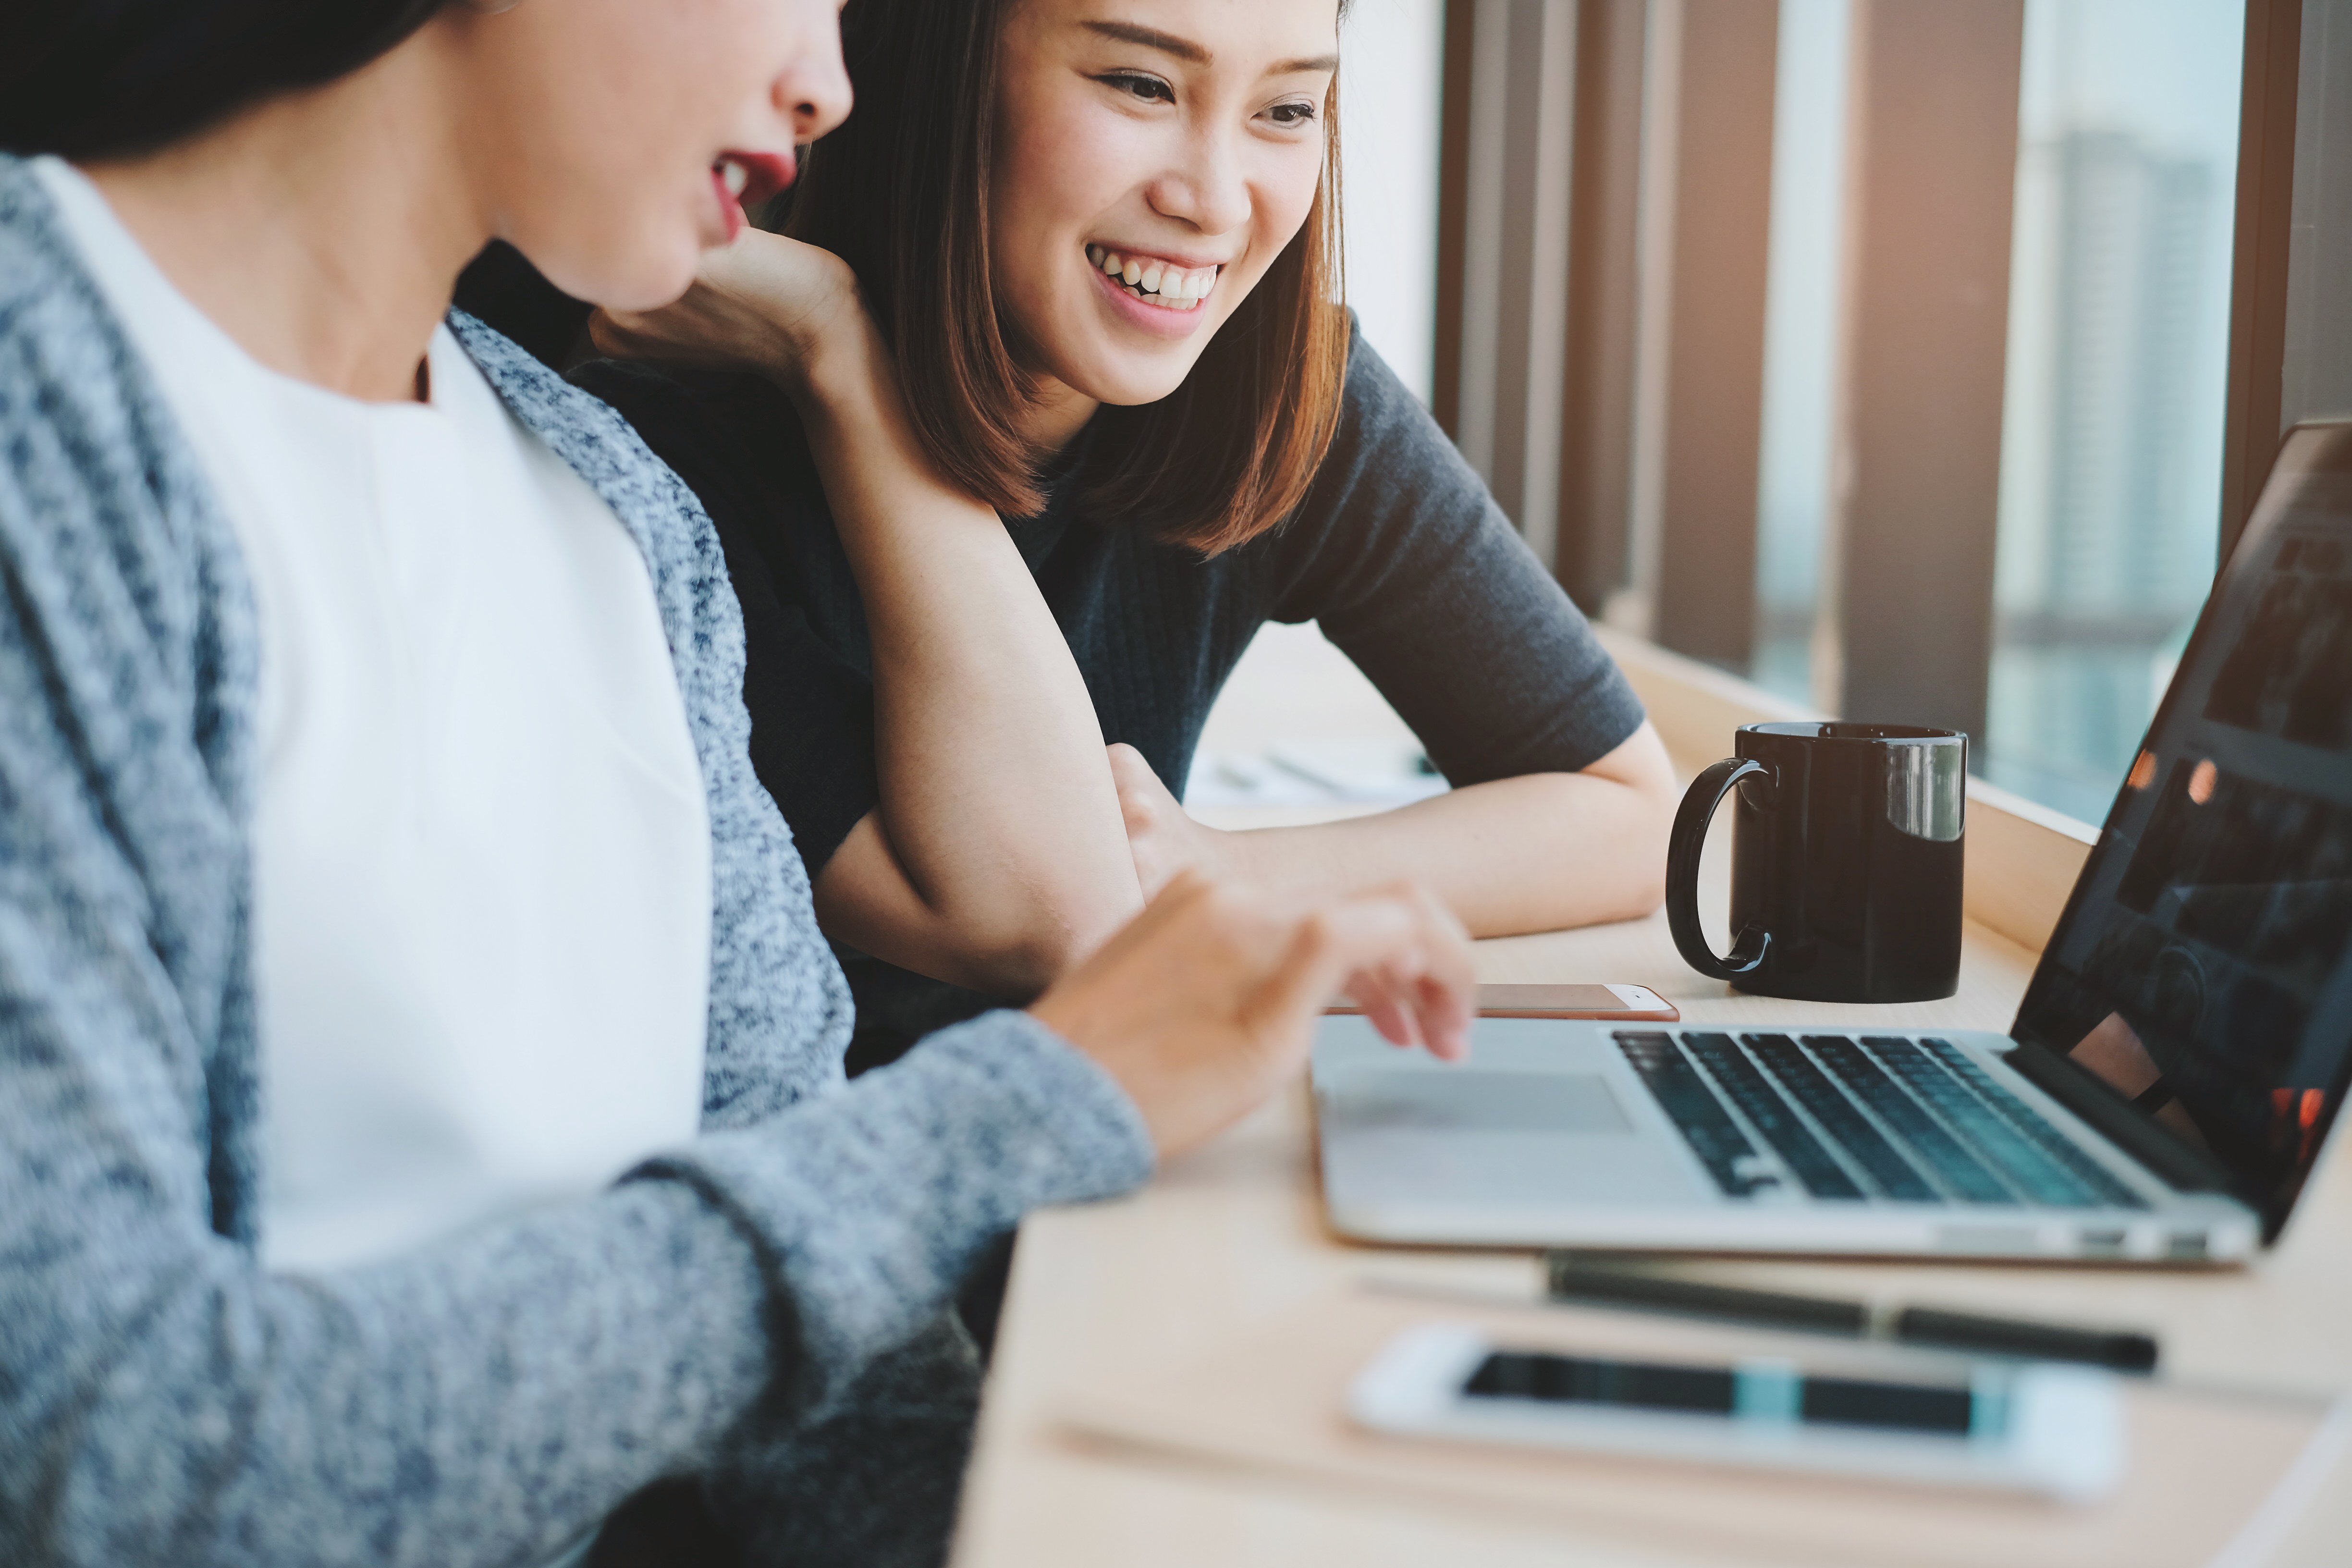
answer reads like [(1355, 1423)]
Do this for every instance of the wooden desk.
[(1232, 1237)]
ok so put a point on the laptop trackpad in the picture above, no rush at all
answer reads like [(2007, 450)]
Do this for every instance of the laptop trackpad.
[(1481, 1102), (1494, 1138)]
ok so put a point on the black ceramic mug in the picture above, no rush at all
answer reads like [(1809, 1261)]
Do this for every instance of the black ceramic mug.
[(1845, 873)]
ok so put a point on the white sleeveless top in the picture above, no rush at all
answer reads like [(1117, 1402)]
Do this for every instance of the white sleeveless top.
[(481, 849)]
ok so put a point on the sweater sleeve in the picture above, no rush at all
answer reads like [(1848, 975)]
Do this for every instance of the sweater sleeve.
[(165, 1400), (1412, 570)]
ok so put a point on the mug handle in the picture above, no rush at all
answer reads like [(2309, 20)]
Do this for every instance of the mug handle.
[(1697, 810)]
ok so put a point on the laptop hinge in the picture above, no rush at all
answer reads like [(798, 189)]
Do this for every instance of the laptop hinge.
[(2069, 1083)]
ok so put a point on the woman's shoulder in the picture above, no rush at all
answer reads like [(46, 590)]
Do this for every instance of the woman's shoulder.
[(1384, 429), (707, 424), (1391, 485), (85, 428), (65, 361), (658, 387)]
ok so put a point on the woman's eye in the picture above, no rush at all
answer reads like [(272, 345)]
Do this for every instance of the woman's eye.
[(1150, 88), (1292, 114)]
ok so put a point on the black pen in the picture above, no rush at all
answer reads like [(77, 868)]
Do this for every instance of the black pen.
[(1573, 1279)]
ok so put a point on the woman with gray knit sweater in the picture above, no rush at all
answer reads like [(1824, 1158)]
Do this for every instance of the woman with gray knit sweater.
[(422, 1124)]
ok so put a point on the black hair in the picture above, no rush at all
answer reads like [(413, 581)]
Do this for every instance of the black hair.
[(96, 78)]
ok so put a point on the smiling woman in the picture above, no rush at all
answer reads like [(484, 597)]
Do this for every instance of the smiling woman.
[(1217, 416), (1097, 241)]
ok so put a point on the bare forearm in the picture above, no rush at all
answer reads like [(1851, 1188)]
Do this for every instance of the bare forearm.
[(1536, 853), (997, 810)]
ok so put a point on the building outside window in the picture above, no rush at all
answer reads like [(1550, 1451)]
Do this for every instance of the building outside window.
[(2118, 342), (2117, 351)]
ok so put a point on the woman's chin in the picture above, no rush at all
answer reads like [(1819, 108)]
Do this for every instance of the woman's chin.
[(644, 278), (1130, 381)]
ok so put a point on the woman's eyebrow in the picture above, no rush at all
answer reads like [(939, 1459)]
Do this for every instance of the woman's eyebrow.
[(1183, 49), (1191, 53)]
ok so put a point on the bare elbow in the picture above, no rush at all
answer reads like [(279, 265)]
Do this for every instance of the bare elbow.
[(1635, 883), (1018, 960), (1633, 887), (1015, 946), (1001, 932), (1646, 897), (1661, 796)]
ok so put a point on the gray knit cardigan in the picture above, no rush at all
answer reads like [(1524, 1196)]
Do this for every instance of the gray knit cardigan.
[(165, 1400)]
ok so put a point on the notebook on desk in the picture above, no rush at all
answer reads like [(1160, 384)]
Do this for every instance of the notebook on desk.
[(2161, 1097)]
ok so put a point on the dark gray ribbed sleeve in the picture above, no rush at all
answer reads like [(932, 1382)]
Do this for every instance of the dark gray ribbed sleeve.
[(1413, 571)]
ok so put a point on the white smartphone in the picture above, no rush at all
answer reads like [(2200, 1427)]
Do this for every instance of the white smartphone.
[(2034, 1427), (1629, 1004)]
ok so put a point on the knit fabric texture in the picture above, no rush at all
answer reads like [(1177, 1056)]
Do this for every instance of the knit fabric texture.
[(489, 1399)]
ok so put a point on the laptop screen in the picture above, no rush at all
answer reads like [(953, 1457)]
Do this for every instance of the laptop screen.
[(2202, 967)]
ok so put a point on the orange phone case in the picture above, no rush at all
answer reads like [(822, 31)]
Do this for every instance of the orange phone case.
[(1498, 1002)]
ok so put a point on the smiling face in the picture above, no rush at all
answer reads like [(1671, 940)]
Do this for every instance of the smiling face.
[(615, 137), (1152, 158)]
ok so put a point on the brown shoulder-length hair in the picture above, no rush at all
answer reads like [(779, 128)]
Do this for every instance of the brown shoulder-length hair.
[(901, 193)]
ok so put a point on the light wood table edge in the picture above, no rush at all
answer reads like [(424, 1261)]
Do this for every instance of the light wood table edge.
[(1234, 1232)]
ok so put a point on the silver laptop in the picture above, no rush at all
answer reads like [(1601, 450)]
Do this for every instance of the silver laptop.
[(2162, 1097)]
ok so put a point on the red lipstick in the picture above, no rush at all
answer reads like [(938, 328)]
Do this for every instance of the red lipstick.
[(765, 175)]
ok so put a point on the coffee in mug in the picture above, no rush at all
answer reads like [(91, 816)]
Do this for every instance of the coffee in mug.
[(1846, 860)]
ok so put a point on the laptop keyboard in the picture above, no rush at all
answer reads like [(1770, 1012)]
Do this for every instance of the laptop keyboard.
[(1882, 1117), (1773, 1116), (2044, 1137), (1964, 1178), (1705, 1125), (1882, 1163)]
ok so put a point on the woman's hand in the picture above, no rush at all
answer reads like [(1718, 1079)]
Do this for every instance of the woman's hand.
[(1160, 833), (1208, 1000), (764, 303)]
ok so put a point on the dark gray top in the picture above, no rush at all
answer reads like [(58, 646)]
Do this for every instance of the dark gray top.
[(1399, 552), (163, 1399)]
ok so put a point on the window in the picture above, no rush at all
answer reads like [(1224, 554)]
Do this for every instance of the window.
[(1920, 356), (1801, 341), (2118, 348)]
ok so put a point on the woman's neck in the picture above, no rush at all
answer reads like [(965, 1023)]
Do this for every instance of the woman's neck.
[(1057, 414), (321, 230)]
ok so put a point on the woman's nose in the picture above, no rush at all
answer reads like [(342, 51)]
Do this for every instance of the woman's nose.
[(812, 93), (1206, 189)]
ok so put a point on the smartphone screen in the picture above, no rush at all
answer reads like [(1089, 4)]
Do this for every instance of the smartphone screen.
[(2035, 1428)]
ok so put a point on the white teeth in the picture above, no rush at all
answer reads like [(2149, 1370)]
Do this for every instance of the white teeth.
[(735, 175), (1172, 287)]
